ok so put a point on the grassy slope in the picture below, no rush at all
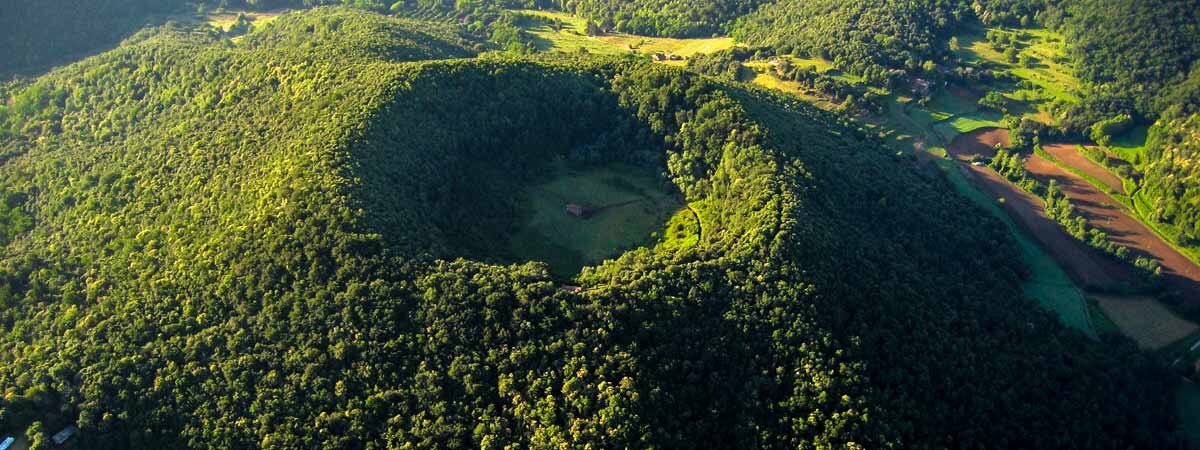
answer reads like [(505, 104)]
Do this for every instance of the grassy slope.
[(573, 36), (637, 210)]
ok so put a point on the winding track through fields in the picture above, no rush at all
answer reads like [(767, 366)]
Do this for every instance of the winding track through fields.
[(1083, 264)]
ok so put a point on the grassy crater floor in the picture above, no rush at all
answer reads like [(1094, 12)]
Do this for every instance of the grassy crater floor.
[(626, 207)]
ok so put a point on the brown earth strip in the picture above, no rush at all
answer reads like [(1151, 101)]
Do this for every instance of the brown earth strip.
[(1085, 265), (1068, 154), (1180, 275)]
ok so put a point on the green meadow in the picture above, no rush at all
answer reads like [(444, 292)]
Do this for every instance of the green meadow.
[(628, 209)]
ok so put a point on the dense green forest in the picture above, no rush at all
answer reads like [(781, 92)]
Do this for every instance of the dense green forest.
[(869, 38), (1171, 175), (289, 242), (676, 18)]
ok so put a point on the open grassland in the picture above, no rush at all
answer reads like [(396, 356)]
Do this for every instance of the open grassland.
[(1052, 80), (226, 18), (958, 125), (684, 229), (568, 33), (628, 210), (1131, 144), (1145, 320), (771, 82)]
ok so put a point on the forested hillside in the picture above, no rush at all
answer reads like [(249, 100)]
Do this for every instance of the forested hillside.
[(1131, 52), (676, 18), (864, 37), (1171, 179), (289, 242)]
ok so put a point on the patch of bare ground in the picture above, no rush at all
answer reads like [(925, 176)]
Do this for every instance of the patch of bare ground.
[(1181, 276), (1088, 267), (1069, 154)]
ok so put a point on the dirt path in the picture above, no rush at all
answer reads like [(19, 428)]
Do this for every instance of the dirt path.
[(1068, 154), (1180, 274), (1088, 267)]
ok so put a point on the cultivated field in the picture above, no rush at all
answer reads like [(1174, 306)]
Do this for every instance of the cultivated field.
[(628, 210), (1069, 154), (1145, 320), (1180, 274), (1088, 267)]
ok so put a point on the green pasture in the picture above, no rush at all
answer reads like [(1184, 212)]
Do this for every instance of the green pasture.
[(1052, 80), (630, 210), (1130, 144), (949, 104), (563, 32), (968, 123)]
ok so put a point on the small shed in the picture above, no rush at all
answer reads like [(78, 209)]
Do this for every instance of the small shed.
[(63, 435), (7, 442), (572, 289), (578, 210)]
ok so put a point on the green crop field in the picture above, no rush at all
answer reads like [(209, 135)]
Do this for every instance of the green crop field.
[(630, 210), (570, 35)]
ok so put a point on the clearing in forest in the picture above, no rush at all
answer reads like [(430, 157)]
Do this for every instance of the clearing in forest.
[(225, 19), (619, 207), (557, 31), (1145, 320)]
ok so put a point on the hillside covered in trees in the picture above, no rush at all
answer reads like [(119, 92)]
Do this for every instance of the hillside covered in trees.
[(290, 242)]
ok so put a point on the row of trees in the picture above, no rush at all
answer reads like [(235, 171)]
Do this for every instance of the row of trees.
[(1011, 165)]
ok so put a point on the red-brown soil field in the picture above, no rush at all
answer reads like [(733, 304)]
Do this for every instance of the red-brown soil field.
[(1068, 154), (1085, 265), (1180, 274)]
